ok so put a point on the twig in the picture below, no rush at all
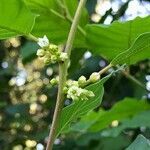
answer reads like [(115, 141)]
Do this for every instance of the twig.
[(74, 27), (63, 67), (127, 74), (105, 69), (134, 79)]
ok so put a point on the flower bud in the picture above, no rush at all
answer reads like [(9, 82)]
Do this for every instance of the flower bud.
[(53, 48), (69, 82), (40, 52), (94, 77), (75, 83), (86, 94), (54, 81), (53, 58), (72, 83), (82, 80), (90, 94), (65, 90), (63, 56), (47, 60)]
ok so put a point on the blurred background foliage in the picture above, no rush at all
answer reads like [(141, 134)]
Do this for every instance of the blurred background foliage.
[(27, 100)]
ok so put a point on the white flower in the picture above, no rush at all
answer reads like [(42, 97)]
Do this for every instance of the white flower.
[(73, 92), (80, 91), (43, 42)]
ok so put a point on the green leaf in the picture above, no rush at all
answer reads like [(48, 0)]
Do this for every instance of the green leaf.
[(123, 109), (4, 34), (79, 108), (44, 5), (86, 122), (52, 19), (111, 40), (102, 119), (48, 25), (139, 120), (140, 143), (139, 50), (15, 19), (105, 143)]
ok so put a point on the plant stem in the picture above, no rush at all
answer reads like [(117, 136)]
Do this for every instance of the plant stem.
[(124, 73), (58, 108), (32, 37), (63, 67), (134, 79), (105, 69), (74, 27), (79, 27)]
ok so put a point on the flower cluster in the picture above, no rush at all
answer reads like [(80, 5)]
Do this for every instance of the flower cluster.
[(75, 92), (50, 53), (75, 89)]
